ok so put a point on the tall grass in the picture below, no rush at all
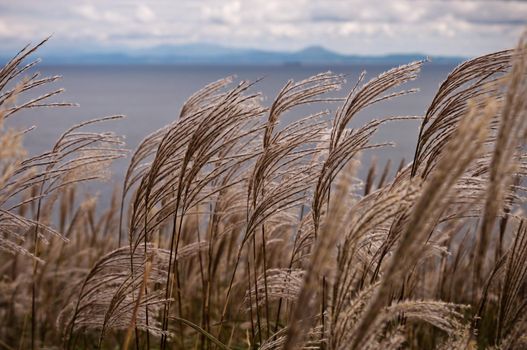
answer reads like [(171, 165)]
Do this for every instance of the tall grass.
[(234, 231)]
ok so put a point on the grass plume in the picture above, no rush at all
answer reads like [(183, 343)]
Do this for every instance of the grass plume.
[(233, 229)]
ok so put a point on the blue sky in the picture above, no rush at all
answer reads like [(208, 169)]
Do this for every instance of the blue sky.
[(465, 28)]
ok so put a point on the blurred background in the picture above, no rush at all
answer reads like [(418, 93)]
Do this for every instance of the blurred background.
[(354, 27), (145, 58)]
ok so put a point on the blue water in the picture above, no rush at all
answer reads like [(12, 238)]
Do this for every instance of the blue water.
[(151, 96)]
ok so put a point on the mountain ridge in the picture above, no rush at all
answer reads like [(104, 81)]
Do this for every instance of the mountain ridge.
[(213, 54)]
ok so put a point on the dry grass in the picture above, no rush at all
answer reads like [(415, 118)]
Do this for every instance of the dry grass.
[(233, 232)]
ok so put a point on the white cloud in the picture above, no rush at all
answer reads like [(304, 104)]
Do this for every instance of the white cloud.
[(351, 26), (87, 11), (145, 13), (226, 13), (284, 30), (4, 30), (91, 13)]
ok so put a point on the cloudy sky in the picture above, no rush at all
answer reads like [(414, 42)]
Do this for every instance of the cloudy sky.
[(348, 26)]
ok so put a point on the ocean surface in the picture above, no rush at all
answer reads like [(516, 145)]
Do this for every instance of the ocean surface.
[(152, 96)]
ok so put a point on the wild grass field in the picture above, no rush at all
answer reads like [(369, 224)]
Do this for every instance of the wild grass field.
[(234, 231)]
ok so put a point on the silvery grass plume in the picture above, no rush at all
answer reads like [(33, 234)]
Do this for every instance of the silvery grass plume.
[(14, 176), (233, 229), (460, 151), (108, 297), (74, 158)]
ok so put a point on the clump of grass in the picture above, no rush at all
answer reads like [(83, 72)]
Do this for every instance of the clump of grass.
[(233, 231)]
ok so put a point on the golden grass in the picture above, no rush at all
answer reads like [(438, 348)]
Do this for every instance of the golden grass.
[(230, 232)]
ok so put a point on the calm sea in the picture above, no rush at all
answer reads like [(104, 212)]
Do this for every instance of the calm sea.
[(151, 96)]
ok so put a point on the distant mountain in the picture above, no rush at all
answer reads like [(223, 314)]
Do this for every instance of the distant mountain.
[(212, 54)]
